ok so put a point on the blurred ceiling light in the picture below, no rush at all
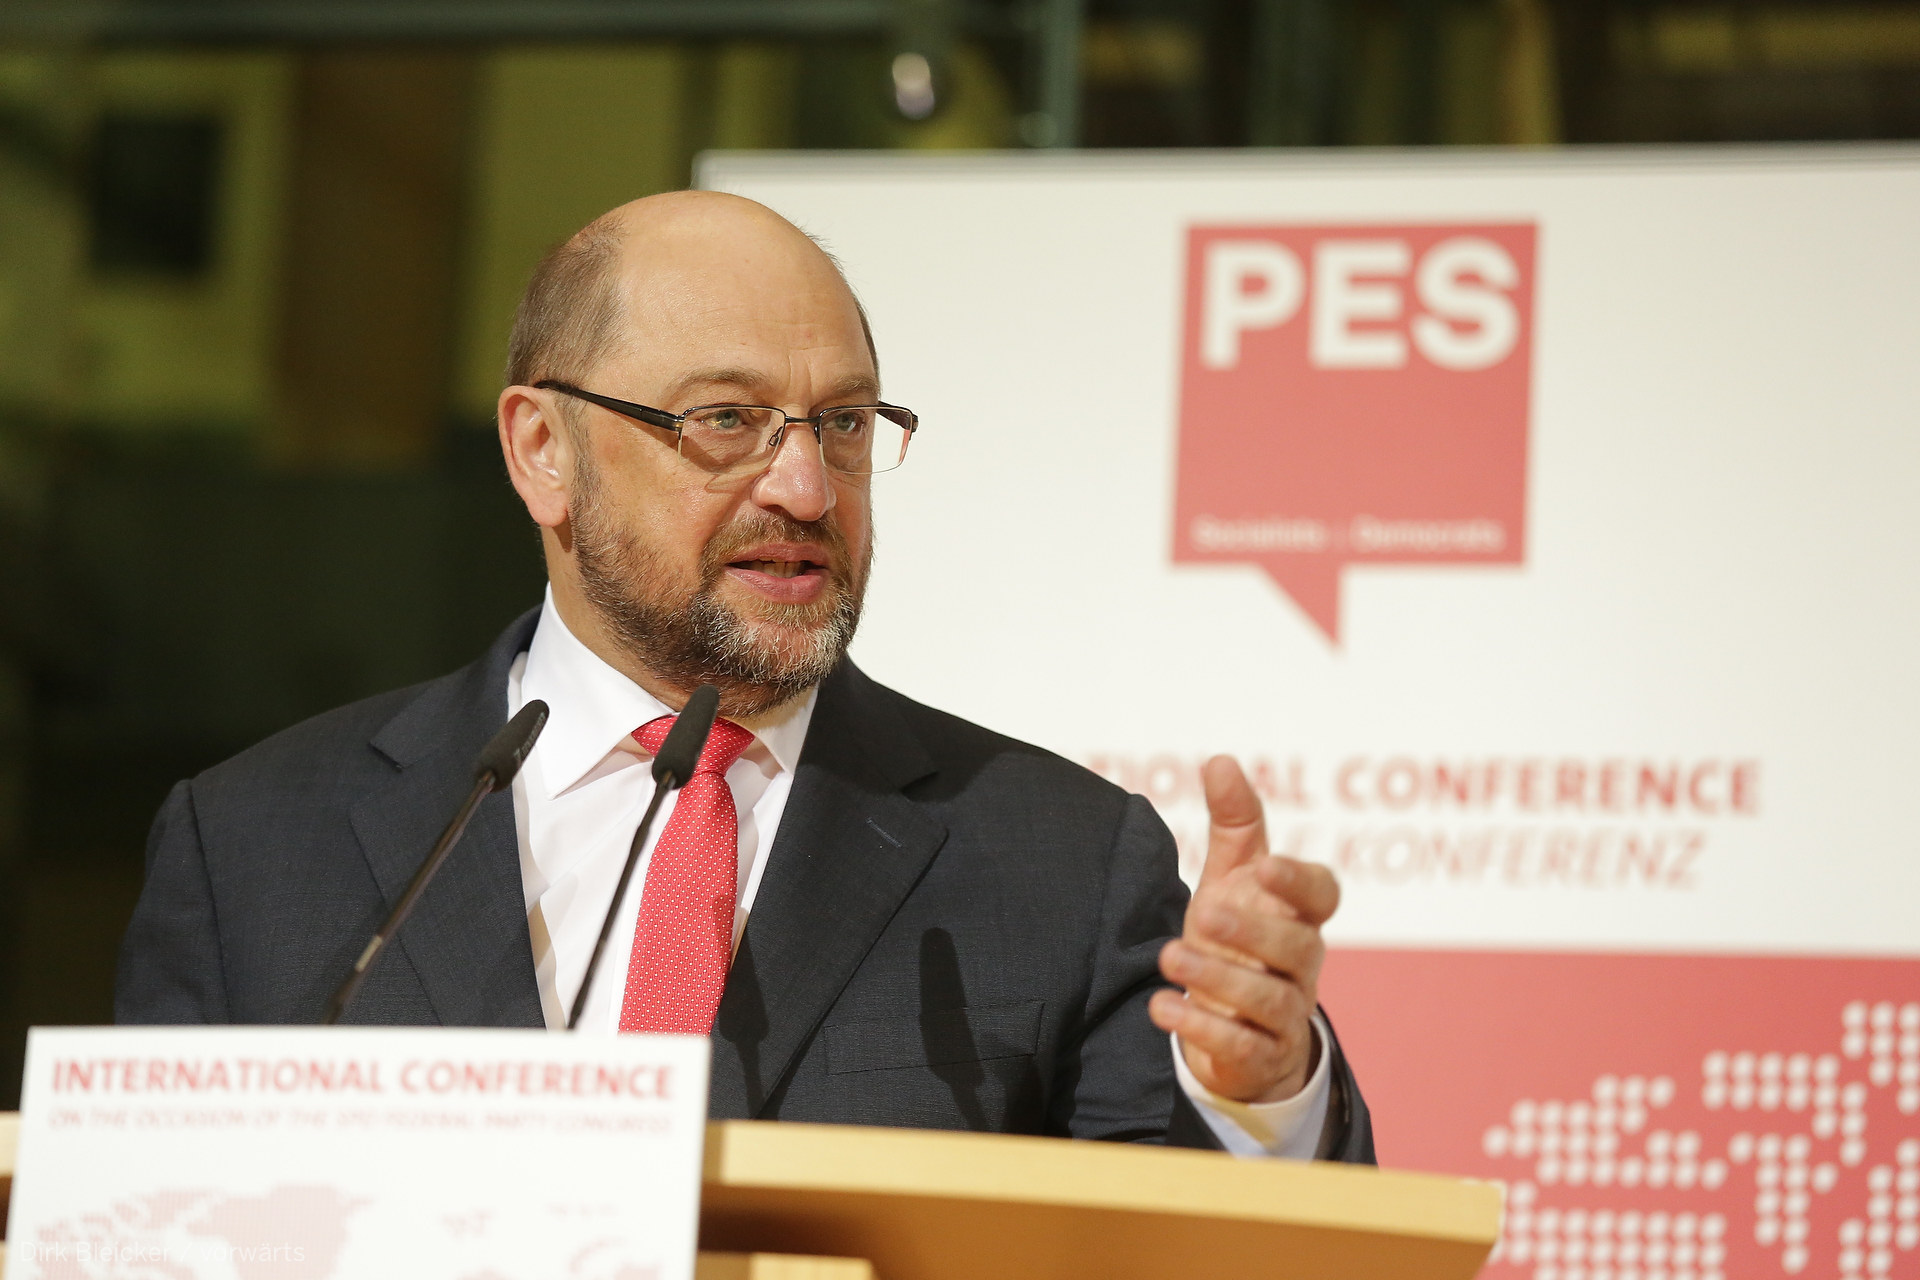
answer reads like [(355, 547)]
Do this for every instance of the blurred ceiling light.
[(1144, 53), (913, 85), (1784, 38)]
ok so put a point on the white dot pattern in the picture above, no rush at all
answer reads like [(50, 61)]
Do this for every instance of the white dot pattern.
[(683, 941), (1809, 1128)]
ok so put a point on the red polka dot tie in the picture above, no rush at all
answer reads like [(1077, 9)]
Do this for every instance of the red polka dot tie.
[(684, 939)]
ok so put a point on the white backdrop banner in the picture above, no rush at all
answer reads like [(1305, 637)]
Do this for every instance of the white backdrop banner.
[(1538, 529)]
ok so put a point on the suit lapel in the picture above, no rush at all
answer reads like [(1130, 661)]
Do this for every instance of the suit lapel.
[(849, 849), (467, 940)]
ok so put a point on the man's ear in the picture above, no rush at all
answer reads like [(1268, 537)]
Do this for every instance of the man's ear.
[(539, 453)]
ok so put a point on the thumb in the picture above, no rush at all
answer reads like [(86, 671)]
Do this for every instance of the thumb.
[(1238, 832)]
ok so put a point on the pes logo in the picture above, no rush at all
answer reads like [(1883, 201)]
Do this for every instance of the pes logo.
[(1354, 395)]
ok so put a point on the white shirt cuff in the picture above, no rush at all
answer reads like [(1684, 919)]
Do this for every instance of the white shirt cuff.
[(1290, 1128)]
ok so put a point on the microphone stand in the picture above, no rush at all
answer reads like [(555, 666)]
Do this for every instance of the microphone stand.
[(660, 790), (679, 755), (499, 761), (482, 788)]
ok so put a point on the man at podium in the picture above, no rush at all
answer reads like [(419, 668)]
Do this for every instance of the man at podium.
[(882, 914)]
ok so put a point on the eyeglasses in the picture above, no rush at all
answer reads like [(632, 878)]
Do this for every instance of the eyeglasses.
[(734, 440)]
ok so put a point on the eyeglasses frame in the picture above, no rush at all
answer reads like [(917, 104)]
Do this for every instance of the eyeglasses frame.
[(675, 422)]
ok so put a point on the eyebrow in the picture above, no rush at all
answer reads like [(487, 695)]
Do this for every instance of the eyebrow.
[(752, 383)]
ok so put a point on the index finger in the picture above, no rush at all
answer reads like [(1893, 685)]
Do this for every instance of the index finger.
[(1309, 888)]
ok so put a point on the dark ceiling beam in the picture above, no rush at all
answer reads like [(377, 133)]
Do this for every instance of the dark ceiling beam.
[(334, 21)]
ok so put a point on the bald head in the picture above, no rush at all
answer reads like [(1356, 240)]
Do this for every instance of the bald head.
[(637, 265)]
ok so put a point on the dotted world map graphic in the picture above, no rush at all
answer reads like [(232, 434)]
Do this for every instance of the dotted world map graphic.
[(1655, 1117), (305, 1232)]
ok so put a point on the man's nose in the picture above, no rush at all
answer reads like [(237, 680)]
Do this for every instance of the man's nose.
[(797, 481)]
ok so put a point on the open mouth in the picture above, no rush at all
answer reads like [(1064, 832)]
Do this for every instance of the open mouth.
[(779, 568), (797, 572), (790, 579)]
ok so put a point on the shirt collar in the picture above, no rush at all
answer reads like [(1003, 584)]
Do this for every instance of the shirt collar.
[(593, 709)]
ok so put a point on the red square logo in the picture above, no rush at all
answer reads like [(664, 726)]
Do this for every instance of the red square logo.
[(1354, 394)]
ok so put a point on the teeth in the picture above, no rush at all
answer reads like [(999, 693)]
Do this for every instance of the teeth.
[(776, 568)]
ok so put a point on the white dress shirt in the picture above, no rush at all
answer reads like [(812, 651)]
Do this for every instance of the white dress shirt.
[(581, 793)]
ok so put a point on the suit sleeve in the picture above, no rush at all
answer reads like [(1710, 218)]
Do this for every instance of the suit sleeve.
[(170, 968), (1118, 1082), (1348, 1136)]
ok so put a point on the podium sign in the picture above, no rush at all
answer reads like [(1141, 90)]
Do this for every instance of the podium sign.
[(224, 1153)]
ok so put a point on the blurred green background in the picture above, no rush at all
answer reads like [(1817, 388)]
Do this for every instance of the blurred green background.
[(258, 259)]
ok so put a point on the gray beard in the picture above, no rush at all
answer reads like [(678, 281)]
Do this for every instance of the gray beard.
[(688, 640)]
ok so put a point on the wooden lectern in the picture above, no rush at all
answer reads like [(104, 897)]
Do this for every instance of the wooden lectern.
[(829, 1202)]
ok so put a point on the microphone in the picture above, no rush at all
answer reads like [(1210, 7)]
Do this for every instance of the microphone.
[(499, 761), (671, 769)]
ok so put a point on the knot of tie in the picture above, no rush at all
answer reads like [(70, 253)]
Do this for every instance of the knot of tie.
[(724, 744)]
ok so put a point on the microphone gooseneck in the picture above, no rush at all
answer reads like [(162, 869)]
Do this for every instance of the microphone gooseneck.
[(680, 753), (678, 756), (499, 761), (507, 750)]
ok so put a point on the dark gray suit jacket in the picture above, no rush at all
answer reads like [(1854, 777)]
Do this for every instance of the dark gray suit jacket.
[(953, 930)]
